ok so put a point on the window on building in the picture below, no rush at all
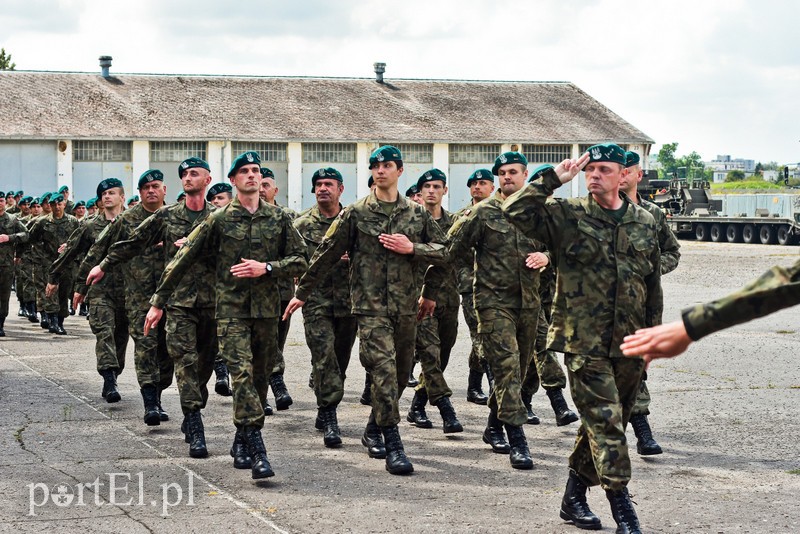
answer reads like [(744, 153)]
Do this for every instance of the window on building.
[(267, 151), (102, 150), (414, 153), (474, 153), (547, 153), (329, 153), (177, 150)]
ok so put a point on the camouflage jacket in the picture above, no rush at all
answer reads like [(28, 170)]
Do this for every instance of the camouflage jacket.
[(501, 278), (286, 285), (447, 293), (48, 234), (331, 296), (608, 274), (166, 226), (776, 289), (667, 242), (465, 270), (141, 273), (381, 282), (17, 233), (228, 235)]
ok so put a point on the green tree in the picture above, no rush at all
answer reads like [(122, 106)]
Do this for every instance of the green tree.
[(666, 158), (692, 165), (734, 176), (5, 61)]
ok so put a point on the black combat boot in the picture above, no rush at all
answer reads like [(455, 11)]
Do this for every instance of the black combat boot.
[(623, 512), (574, 507), (150, 400), (60, 325), (564, 415), (493, 435), (260, 467), (366, 395), (328, 423), (223, 385), (645, 444), (373, 439), (110, 392), (450, 423), (267, 408), (489, 376), (22, 312), (83, 311), (533, 419), (32, 312), (520, 456), (2, 327), (71, 309), (52, 320), (416, 412), (475, 393), (282, 398), (162, 415), (241, 458), (396, 461), (412, 380), (45, 322), (311, 379), (196, 434), (185, 429)]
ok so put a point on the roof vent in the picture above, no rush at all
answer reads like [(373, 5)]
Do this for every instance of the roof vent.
[(105, 64), (380, 68)]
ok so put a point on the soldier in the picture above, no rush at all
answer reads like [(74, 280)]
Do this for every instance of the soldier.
[(70, 206), (607, 285), (50, 233), (134, 201), (91, 207), (646, 445), (253, 244), (22, 213), (366, 394), (180, 197), (190, 325), (382, 290), (220, 195), (506, 298), (11, 202), (268, 192), (154, 367), (108, 320), (329, 325), (481, 186), (413, 194), (79, 211), (436, 334), (12, 232), (26, 263)]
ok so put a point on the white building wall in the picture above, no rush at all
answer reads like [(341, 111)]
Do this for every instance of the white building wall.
[(294, 160), (140, 154), (64, 164)]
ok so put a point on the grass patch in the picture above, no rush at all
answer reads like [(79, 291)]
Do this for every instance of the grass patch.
[(748, 186), (784, 331), (794, 471)]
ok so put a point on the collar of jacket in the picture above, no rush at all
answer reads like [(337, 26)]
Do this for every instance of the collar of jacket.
[(632, 214), (182, 212), (374, 205), (317, 215), (236, 207)]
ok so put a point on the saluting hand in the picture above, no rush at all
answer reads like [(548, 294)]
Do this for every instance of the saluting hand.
[(399, 243), (569, 168)]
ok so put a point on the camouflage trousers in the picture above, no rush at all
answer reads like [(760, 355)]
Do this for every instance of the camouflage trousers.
[(6, 279), (39, 284), (435, 339), (543, 368), (604, 391), (507, 341), (642, 405), (109, 324), (330, 340), (153, 364), (192, 345), (283, 332), (475, 359), (25, 282), (249, 347), (386, 353), (57, 303)]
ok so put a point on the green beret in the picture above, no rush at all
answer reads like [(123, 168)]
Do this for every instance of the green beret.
[(606, 152), (248, 158), (134, 198), (216, 189), (385, 153), (10, 194), (180, 196), (411, 191), (56, 197), (105, 185), (509, 157), (62, 189), (430, 176), (480, 174), (267, 173), (631, 159), (19, 193), (370, 181), (91, 202), (152, 175), (80, 204), (45, 198), (328, 172), (190, 163), (35, 202), (539, 171), (26, 200)]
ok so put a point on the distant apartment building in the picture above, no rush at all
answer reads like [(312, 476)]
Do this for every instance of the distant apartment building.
[(724, 164)]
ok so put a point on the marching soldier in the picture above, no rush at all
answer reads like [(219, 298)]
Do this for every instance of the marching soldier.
[(12, 231)]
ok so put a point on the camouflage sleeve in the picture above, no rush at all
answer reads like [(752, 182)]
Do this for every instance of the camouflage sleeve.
[(670, 248), (76, 244), (293, 263), (434, 249), (20, 233), (145, 235), (774, 290), (529, 210), (337, 241), (96, 253), (654, 304)]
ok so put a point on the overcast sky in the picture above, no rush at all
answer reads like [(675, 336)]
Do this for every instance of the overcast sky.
[(718, 77)]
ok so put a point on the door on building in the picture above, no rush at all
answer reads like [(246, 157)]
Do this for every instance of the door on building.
[(464, 160), (94, 161), (29, 165)]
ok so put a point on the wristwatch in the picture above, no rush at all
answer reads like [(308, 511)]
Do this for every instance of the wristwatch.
[(269, 268)]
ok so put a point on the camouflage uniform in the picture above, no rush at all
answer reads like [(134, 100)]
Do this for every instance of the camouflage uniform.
[(286, 291), (50, 233), (506, 297), (153, 364), (246, 308), (330, 327), (608, 284), (190, 325), (25, 269), (465, 273), (382, 288), (17, 233), (544, 369)]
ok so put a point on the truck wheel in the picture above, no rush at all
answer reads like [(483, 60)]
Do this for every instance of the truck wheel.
[(785, 235), (767, 234), (749, 234), (701, 232), (734, 233), (717, 233)]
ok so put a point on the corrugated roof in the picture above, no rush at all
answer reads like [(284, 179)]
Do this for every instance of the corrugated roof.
[(51, 105)]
